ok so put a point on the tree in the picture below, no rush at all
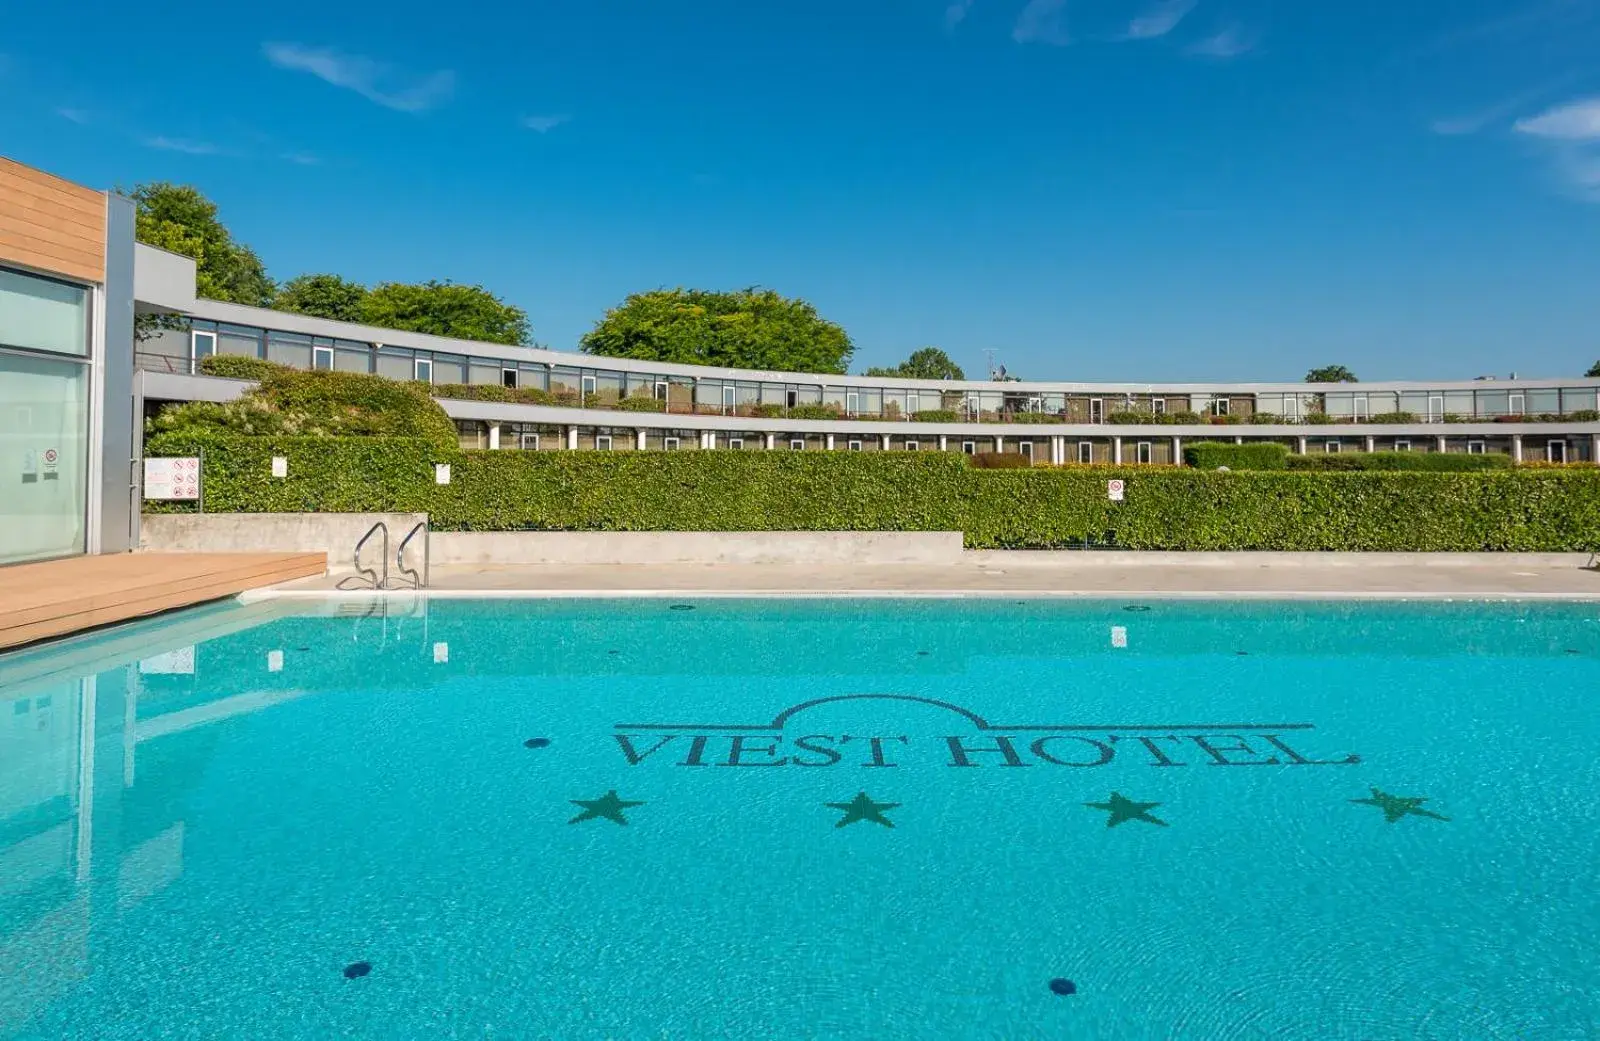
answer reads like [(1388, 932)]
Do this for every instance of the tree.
[(445, 309), (747, 329), (1331, 374), (323, 296), (1594, 370), (929, 363), (177, 217)]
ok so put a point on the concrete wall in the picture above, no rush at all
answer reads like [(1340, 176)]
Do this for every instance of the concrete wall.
[(336, 534), (696, 547), (332, 533)]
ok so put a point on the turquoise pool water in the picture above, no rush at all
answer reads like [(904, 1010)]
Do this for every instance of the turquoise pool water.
[(814, 819)]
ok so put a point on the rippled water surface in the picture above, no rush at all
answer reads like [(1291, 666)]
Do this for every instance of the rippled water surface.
[(814, 819)]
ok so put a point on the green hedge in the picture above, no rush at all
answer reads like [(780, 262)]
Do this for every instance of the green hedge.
[(239, 367), (1209, 455), (1037, 508), (1432, 462)]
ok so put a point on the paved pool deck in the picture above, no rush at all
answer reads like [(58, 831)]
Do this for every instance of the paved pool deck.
[(1091, 574)]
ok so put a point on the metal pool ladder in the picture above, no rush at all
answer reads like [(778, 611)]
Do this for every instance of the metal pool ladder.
[(419, 580), (372, 573)]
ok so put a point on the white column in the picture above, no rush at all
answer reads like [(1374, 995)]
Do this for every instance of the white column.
[(572, 439), (1301, 447), (1516, 448), (1177, 451), (1441, 443), (1238, 439), (708, 439), (772, 441), (1371, 444), (639, 441), (1594, 448), (944, 442), (1116, 450), (885, 442), (830, 442), (494, 436), (999, 444)]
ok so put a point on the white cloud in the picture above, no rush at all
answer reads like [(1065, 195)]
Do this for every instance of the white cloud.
[(1159, 20), (73, 115), (1573, 121), (544, 124), (184, 145), (1229, 43), (375, 81), (956, 13), (1042, 21)]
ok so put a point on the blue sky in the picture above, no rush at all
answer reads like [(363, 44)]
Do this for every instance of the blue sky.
[(1099, 189)]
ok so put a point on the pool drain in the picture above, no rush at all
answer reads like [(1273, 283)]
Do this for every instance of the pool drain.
[(1063, 987)]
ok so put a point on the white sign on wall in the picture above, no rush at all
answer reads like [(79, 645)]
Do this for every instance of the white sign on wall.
[(280, 466), (441, 473), (1115, 489), (172, 478)]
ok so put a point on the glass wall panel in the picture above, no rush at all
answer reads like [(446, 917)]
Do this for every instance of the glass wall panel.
[(607, 387), (291, 349), (1381, 401), (43, 314), (1458, 403), (532, 375), (1544, 401), (44, 427), (564, 383), (449, 368), (870, 401), (1415, 402), (396, 363), (351, 356), (1493, 402), (894, 403), (239, 339), (484, 372), (1574, 399), (708, 392)]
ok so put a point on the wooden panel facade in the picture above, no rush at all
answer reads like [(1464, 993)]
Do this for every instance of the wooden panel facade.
[(50, 224)]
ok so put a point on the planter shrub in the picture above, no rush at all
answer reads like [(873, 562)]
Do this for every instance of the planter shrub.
[(1209, 455), (1432, 462)]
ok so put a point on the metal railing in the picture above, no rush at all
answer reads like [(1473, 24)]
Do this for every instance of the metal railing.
[(419, 580), (377, 581)]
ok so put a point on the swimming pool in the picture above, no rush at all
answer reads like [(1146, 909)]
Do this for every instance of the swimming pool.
[(805, 819)]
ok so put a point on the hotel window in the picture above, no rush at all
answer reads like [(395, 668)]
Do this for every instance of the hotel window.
[(1158, 406), (1475, 447), (1026, 448), (530, 442), (423, 370), (322, 357), (735, 442), (798, 444), (201, 345), (1331, 447), (1085, 451), (508, 378), (912, 446), (670, 444), (855, 446), (43, 314), (1219, 406), (1142, 452), (602, 442), (1555, 451), (1402, 446), (969, 447)]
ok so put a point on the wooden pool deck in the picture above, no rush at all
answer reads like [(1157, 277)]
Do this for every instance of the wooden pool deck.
[(60, 597)]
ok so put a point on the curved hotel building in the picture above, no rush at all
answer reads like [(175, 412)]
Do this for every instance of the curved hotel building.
[(75, 384), (523, 398)]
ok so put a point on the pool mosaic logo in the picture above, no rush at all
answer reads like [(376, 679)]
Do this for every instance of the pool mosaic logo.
[(786, 742)]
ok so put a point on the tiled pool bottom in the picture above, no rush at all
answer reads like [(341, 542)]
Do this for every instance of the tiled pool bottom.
[(817, 819)]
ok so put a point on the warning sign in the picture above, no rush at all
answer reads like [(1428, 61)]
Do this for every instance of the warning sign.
[(1114, 490), (172, 478)]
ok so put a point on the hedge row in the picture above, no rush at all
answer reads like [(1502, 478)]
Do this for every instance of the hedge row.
[(1260, 455), (1434, 462), (1170, 508)]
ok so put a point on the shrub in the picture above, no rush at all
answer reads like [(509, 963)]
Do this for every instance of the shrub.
[(1209, 455), (767, 410), (1130, 418), (1394, 417), (288, 402), (640, 405), (490, 392), (1318, 418), (1034, 417), (935, 415), (1183, 419), (239, 367), (1264, 419), (814, 412), (1556, 510), (1000, 461), (1583, 415), (1434, 462)]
